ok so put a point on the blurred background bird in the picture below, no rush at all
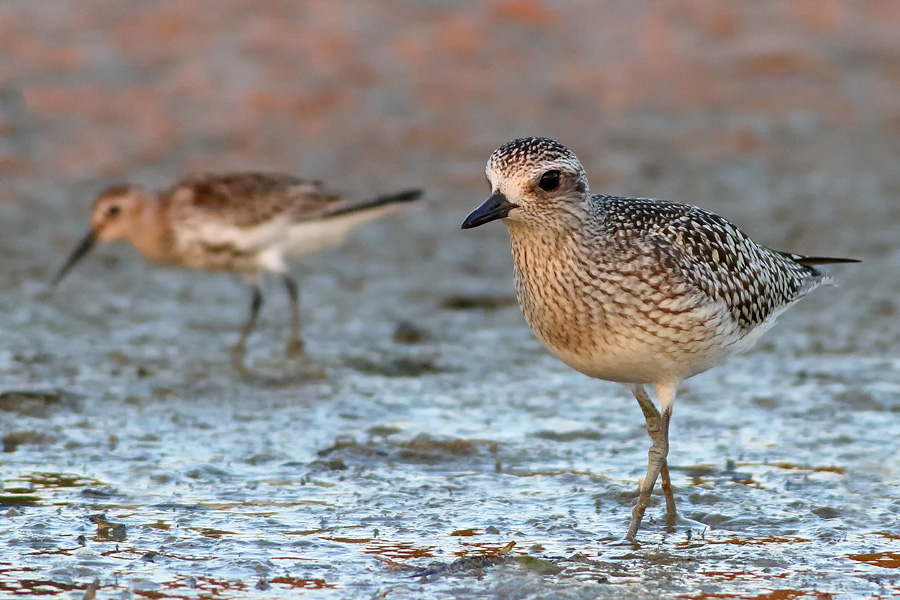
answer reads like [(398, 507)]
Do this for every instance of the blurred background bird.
[(246, 223)]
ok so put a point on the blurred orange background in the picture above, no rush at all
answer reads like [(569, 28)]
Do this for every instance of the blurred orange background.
[(652, 96)]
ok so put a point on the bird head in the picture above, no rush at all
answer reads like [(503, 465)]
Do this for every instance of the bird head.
[(116, 214), (532, 179)]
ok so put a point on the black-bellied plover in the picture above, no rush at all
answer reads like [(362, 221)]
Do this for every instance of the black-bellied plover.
[(634, 290), (245, 223)]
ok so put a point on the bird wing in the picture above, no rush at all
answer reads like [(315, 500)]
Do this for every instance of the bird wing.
[(753, 281), (247, 211)]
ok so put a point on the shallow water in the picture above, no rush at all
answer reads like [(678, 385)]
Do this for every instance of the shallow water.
[(355, 484), (434, 449)]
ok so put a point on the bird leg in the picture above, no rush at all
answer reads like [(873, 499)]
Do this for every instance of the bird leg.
[(240, 349), (651, 415), (295, 344), (658, 429)]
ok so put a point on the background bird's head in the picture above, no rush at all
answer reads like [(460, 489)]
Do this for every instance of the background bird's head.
[(532, 179), (117, 211), (116, 214)]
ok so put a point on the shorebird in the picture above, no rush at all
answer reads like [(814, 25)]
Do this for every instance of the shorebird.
[(633, 290), (246, 223)]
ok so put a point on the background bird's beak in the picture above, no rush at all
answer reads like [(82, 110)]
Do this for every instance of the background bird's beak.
[(495, 207), (83, 248)]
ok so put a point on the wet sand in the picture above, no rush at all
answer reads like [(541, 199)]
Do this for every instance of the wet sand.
[(442, 430)]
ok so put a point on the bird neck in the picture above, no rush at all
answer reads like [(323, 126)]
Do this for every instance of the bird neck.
[(542, 258), (538, 245), (150, 233), (547, 274)]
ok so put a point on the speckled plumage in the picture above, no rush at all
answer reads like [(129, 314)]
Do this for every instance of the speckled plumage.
[(646, 291), (633, 290), (244, 222)]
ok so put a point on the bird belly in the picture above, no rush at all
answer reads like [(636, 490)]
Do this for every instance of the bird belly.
[(636, 364), (222, 259), (312, 236), (638, 347), (622, 367)]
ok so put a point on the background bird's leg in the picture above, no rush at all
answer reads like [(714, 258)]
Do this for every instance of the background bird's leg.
[(295, 344), (240, 349), (656, 457), (651, 415)]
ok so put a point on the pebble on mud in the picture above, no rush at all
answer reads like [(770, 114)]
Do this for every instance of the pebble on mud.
[(474, 564), (35, 404), (476, 301), (107, 530), (568, 436), (383, 430), (407, 332), (336, 464), (11, 441), (425, 444), (401, 366)]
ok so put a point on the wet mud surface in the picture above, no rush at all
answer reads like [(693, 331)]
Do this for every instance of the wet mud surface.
[(433, 449)]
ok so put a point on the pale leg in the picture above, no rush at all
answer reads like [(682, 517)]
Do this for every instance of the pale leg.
[(651, 415), (658, 429), (295, 344), (240, 349)]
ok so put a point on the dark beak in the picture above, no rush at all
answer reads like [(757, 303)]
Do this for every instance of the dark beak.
[(495, 207), (83, 248)]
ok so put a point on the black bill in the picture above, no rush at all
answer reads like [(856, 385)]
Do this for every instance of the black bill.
[(495, 207), (83, 248)]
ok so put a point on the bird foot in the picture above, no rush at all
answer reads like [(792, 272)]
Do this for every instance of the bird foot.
[(625, 541), (689, 526), (271, 374), (295, 349), (311, 369), (238, 358)]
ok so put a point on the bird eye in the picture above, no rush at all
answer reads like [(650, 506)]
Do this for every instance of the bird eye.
[(549, 181), (113, 211)]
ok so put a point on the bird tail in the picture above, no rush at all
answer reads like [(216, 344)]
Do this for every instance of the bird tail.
[(404, 196), (817, 276), (383, 200), (810, 261)]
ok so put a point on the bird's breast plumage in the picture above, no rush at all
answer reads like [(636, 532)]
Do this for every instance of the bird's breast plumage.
[(643, 291)]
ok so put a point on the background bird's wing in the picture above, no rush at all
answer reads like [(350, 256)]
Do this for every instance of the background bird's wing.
[(248, 199), (247, 211)]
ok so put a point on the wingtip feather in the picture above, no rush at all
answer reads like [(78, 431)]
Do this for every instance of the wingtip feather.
[(825, 260)]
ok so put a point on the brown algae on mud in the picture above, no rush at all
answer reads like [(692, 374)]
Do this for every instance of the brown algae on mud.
[(36, 403), (885, 560)]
